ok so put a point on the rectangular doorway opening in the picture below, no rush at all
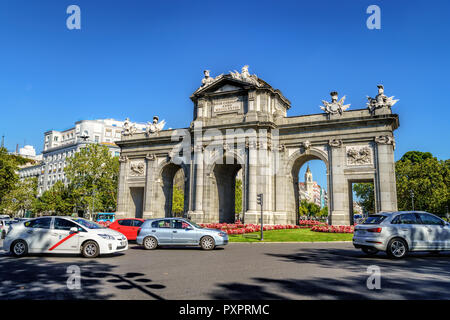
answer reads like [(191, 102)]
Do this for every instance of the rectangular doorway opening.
[(137, 195), (361, 199)]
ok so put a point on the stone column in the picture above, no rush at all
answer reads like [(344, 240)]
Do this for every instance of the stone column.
[(123, 192), (197, 214), (149, 186), (387, 191), (339, 201), (252, 213), (282, 186)]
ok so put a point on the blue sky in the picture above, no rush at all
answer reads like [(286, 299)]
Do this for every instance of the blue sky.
[(140, 58)]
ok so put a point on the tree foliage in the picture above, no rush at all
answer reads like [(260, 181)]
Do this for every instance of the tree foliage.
[(57, 200), (177, 201), (365, 192), (93, 178), (323, 212), (307, 208), (21, 198), (429, 180), (8, 175), (238, 197)]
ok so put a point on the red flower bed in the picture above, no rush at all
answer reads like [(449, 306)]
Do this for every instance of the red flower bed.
[(310, 223), (333, 229), (239, 228)]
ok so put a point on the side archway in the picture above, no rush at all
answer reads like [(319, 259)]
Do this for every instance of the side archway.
[(165, 175), (292, 169)]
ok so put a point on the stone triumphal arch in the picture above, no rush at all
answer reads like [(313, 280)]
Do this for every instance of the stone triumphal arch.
[(240, 126)]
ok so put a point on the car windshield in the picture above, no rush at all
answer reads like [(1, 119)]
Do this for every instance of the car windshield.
[(375, 219), (88, 224)]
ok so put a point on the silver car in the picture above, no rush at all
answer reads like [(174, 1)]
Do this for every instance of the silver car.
[(177, 231), (397, 233)]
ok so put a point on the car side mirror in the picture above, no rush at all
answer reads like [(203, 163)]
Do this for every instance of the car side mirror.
[(73, 230), (189, 228)]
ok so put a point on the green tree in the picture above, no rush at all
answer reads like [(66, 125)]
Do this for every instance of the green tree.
[(21, 198), (307, 208), (238, 197), (323, 212), (8, 175), (427, 177), (93, 178), (57, 200), (177, 201), (416, 156), (365, 192)]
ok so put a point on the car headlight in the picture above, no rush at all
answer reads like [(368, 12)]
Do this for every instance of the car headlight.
[(222, 234), (106, 236)]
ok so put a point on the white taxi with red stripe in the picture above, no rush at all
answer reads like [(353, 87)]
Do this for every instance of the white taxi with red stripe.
[(63, 235)]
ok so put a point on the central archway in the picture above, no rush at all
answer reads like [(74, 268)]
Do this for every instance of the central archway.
[(221, 187), (295, 163), (225, 176)]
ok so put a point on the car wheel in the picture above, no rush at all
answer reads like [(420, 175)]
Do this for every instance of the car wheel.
[(397, 248), (370, 251), (19, 248), (90, 249), (207, 243), (150, 243)]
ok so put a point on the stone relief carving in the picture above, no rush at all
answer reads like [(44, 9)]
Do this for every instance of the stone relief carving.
[(123, 158), (359, 155), (335, 106), (128, 128), (137, 168), (385, 140), (306, 145), (150, 157), (336, 143), (155, 126), (380, 100)]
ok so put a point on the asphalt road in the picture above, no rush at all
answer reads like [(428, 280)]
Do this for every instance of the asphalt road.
[(238, 271)]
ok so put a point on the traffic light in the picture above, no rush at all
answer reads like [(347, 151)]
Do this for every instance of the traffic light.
[(259, 199)]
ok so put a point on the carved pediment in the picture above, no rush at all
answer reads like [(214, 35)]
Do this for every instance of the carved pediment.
[(222, 83), (228, 87)]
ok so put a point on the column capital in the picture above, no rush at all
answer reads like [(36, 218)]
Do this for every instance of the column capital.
[(385, 140)]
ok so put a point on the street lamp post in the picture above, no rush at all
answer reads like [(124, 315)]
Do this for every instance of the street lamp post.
[(412, 199)]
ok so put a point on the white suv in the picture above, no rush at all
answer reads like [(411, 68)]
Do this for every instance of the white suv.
[(400, 232)]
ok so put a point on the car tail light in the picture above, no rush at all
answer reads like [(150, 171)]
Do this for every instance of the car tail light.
[(376, 230), (139, 231)]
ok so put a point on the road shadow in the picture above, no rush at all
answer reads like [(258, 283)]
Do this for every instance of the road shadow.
[(418, 276), (37, 278)]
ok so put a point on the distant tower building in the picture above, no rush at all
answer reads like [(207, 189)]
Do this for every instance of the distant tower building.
[(309, 184), (311, 191)]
